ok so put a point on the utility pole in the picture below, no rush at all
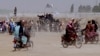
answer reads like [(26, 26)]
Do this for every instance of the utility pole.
[(15, 11)]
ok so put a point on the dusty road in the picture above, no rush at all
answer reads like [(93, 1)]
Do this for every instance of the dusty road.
[(46, 44)]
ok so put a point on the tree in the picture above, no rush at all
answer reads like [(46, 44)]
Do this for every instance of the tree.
[(72, 8), (86, 8), (80, 8), (96, 8)]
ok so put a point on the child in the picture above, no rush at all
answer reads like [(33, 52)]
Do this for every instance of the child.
[(24, 40)]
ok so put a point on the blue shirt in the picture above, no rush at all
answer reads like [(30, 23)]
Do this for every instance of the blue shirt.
[(16, 32)]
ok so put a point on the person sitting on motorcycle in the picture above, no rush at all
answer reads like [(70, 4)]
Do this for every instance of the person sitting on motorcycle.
[(94, 29), (88, 29), (21, 31), (70, 31), (21, 36), (91, 28), (95, 25), (16, 35)]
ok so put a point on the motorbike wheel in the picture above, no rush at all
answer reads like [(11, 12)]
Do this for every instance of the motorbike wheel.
[(78, 43), (65, 44), (96, 39)]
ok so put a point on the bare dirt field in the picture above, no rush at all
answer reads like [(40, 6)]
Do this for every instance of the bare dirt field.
[(46, 44)]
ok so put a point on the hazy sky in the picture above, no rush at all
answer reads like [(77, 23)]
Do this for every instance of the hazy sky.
[(39, 5)]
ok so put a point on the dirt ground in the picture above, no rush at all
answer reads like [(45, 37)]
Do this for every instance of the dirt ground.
[(46, 44)]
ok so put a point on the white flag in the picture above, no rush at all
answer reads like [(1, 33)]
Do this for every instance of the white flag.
[(49, 5)]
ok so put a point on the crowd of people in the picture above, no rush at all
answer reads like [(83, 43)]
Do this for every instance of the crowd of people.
[(22, 29), (48, 23)]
